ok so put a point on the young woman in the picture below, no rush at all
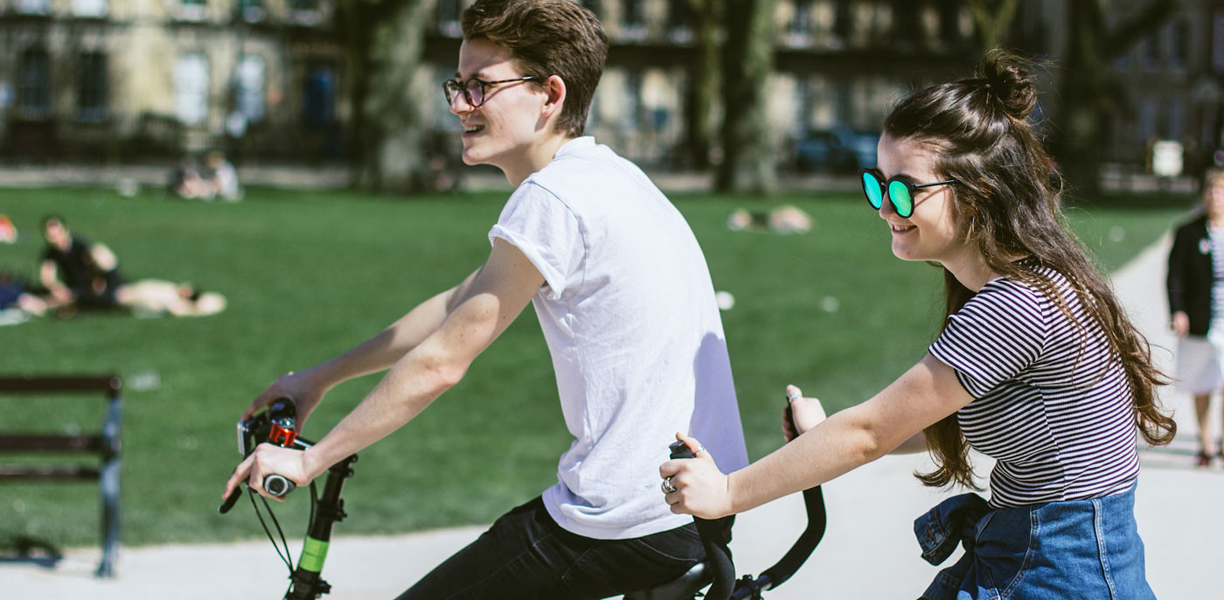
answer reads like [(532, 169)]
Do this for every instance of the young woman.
[(1195, 286), (1037, 366)]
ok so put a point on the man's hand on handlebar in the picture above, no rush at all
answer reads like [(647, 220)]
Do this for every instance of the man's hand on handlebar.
[(266, 460), (801, 414), (700, 488), (301, 386)]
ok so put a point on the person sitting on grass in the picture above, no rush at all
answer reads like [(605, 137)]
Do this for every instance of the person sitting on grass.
[(625, 301), (75, 272), (1037, 366)]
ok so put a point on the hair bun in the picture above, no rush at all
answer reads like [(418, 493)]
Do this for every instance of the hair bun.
[(1009, 80)]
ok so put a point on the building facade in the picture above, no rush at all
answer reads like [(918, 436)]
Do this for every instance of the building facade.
[(131, 80)]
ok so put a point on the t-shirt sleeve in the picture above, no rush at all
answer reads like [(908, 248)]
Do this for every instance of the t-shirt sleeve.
[(994, 337), (547, 232)]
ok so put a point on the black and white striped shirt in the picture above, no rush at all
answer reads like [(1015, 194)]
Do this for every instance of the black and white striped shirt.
[(1215, 245), (1051, 402)]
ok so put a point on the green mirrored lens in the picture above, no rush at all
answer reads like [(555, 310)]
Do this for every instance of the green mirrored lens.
[(901, 199), (871, 187)]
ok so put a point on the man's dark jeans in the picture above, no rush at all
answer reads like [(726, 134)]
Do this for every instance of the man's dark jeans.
[(527, 555)]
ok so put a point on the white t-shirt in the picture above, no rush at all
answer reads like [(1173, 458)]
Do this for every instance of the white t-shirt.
[(637, 343)]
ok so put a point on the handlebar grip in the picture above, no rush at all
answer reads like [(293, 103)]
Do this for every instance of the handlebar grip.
[(231, 500), (278, 485)]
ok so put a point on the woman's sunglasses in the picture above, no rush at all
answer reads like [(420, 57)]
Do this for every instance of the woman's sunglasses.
[(900, 192)]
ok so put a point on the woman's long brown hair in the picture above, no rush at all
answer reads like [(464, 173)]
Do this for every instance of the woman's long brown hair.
[(1007, 200)]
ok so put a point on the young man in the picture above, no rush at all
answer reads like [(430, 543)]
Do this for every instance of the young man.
[(625, 302), (76, 272)]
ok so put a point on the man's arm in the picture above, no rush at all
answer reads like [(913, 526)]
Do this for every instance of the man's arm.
[(48, 275), (495, 296), (376, 354)]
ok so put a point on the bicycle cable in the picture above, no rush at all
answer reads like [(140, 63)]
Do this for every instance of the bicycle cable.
[(287, 557)]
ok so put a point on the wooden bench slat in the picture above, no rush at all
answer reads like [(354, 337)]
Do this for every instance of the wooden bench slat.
[(10, 473), (50, 443), (86, 383)]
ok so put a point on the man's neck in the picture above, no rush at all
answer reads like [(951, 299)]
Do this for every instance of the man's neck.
[(538, 157)]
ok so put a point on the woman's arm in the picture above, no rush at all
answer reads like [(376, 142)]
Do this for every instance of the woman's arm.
[(926, 393)]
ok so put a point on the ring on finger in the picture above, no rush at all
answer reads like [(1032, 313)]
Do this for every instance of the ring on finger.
[(667, 486)]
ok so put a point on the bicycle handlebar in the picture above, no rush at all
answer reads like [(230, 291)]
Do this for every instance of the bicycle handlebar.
[(718, 555)]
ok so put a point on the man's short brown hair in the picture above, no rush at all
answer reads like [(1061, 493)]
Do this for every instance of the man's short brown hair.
[(546, 38)]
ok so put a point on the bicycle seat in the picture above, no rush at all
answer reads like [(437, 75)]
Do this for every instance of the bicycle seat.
[(684, 587)]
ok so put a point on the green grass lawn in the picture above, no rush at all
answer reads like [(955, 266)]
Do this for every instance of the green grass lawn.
[(309, 274)]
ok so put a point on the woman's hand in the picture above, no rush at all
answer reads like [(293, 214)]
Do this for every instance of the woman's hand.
[(801, 415), (1180, 324), (301, 387), (699, 488)]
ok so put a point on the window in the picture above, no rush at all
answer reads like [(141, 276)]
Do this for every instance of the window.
[(191, 89), (633, 20), (1149, 59), (632, 117), (1179, 45), (1145, 128), (449, 13), (319, 102), (594, 6), (680, 20), (192, 10), (34, 84), (92, 87), (251, 11), (1175, 126), (249, 92), (1217, 43), (799, 26), (305, 12), (33, 7), (89, 8)]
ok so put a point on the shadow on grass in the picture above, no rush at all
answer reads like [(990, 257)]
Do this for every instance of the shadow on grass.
[(27, 550)]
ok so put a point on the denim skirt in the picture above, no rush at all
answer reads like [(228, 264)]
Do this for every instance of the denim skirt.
[(1087, 549)]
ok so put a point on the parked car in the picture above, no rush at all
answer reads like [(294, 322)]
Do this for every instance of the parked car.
[(838, 150)]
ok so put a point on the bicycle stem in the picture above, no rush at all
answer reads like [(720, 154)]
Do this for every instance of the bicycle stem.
[(308, 583)]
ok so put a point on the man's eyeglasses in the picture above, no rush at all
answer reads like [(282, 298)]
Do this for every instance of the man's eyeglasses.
[(473, 89), (900, 192)]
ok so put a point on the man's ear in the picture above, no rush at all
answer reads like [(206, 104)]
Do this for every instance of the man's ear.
[(555, 88)]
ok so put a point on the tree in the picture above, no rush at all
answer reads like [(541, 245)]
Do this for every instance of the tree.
[(992, 20), (703, 87), (748, 162), (385, 43), (1085, 89)]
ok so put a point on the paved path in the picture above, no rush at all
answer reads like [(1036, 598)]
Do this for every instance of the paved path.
[(868, 550)]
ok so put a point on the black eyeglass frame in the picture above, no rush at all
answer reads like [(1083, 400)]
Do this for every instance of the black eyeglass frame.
[(884, 185), (462, 86)]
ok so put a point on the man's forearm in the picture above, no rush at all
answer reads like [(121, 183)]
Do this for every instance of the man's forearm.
[(382, 351)]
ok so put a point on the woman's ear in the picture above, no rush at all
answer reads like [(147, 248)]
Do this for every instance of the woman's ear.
[(554, 86)]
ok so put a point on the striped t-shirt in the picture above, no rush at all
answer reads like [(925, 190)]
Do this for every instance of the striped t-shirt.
[(1051, 402), (1215, 245)]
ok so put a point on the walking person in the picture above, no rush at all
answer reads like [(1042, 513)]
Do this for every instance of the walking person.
[(1195, 286), (1036, 366), (625, 301)]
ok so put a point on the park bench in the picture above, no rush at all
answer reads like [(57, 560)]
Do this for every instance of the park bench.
[(106, 444)]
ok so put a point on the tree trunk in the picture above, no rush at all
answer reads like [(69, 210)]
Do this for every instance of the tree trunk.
[(703, 83), (748, 162), (390, 89)]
